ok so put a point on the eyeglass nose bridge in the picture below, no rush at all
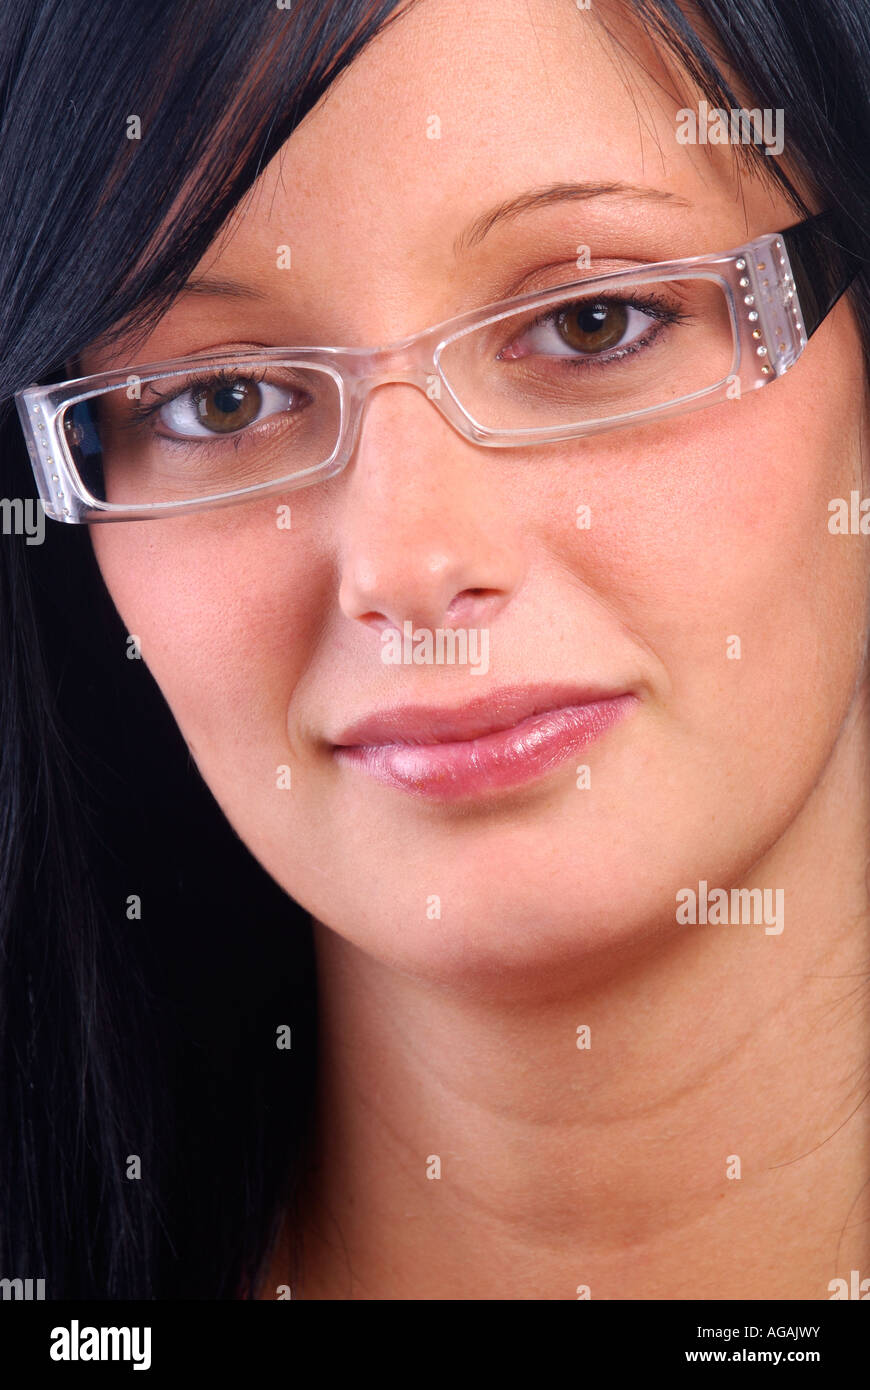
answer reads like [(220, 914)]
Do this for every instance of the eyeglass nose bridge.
[(411, 362)]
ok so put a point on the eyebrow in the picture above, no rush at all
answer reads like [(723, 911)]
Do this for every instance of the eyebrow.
[(475, 232), (556, 193), (228, 289)]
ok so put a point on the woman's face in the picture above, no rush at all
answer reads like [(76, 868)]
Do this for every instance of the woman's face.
[(703, 529)]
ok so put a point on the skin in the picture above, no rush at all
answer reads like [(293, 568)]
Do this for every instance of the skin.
[(560, 1168)]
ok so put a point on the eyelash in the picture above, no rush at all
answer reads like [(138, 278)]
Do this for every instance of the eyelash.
[(655, 308), (221, 376)]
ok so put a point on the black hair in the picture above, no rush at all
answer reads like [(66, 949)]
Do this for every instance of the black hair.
[(153, 1036)]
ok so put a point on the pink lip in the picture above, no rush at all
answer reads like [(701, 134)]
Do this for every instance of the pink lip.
[(503, 740)]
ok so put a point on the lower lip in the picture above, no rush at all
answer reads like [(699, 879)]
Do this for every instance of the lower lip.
[(507, 758)]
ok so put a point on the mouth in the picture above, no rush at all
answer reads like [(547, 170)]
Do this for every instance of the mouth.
[(511, 737)]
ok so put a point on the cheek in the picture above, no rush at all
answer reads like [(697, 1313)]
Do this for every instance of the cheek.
[(225, 607), (709, 542)]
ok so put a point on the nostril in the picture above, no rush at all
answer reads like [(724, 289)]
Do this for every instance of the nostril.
[(468, 597)]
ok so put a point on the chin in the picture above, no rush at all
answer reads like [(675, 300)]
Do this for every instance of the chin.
[(540, 909)]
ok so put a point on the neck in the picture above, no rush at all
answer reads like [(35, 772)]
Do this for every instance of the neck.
[(467, 1147)]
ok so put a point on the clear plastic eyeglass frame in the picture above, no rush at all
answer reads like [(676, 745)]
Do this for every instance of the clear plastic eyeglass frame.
[(778, 288)]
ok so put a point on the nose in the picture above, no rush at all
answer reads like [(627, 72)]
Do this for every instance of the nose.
[(426, 535)]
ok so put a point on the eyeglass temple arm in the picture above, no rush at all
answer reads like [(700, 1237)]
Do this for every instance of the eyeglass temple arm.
[(822, 266)]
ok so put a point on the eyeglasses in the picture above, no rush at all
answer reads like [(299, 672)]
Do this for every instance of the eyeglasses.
[(595, 354)]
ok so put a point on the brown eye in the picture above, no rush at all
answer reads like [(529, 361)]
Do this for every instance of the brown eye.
[(593, 327), (228, 406)]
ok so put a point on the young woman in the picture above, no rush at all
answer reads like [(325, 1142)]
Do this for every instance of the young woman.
[(436, 776)]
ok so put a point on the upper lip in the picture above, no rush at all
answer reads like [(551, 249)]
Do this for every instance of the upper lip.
[(499, 710)]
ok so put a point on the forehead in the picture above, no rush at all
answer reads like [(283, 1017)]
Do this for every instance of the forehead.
[(451, 110), (358, 230)]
